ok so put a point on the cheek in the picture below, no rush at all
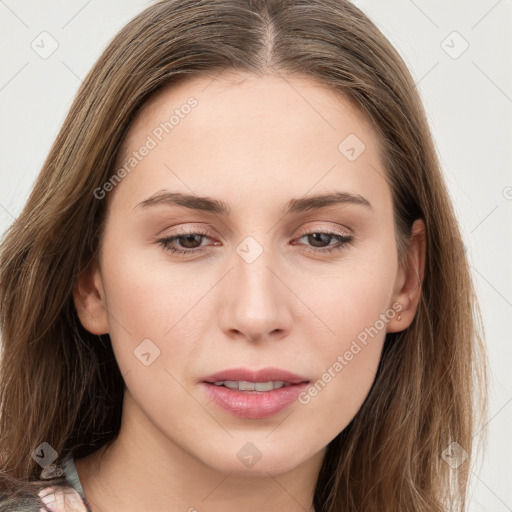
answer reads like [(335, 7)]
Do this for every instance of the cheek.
[(134, 300), (340, 391), (354, 305), (146, 292), (157, 307), (151, 332), (346, 364), (351, 296)]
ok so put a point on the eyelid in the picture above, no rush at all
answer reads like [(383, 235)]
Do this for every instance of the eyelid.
[(190, 229), (206, 230), (324, 229)]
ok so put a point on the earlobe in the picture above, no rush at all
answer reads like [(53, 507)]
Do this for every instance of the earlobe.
[(410, 279), (89, 300)]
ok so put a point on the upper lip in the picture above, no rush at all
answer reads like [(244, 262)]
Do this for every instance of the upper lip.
[(261, 375)]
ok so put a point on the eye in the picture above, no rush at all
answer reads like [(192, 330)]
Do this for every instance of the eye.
[(190, 241), (322, 237)]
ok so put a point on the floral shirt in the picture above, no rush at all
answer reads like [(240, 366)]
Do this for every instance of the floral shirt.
[(67, 499)]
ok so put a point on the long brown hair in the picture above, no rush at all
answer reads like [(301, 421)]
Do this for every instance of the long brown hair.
[(61, 384)]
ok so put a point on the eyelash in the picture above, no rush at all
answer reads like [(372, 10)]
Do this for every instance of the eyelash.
[(344, 240)]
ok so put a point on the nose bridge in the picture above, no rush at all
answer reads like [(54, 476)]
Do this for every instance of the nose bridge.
[(255, 304)]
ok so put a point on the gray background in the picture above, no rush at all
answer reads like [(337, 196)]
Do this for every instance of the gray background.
[(467, 94)]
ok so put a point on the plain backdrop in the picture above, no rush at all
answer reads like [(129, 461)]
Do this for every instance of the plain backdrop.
[(460, 54)]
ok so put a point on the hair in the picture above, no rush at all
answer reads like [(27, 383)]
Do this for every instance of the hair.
[(60, 384)]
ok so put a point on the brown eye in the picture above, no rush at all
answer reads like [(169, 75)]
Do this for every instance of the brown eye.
[(190, 241), (184, 242), (320, 241)]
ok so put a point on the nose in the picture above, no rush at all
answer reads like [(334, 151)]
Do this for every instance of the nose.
[(256, 301)]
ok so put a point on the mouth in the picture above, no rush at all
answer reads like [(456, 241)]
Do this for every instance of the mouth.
[(254, 394), (245, 378), (253, 387)]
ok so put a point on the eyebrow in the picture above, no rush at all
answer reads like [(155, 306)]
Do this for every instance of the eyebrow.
[(219, 207)]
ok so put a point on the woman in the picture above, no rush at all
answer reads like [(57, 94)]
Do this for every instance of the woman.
[(317, 349)]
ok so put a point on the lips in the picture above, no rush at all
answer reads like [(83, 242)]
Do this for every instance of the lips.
[(262, 375), (253, 404)]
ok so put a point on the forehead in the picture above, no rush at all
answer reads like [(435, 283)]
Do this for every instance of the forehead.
[(297, 107), (247, 131)]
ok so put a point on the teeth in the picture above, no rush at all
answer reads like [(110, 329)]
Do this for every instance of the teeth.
[(243, 385), (268, 386)]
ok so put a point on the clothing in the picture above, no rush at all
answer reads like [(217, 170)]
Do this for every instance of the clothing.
[(68, 499)]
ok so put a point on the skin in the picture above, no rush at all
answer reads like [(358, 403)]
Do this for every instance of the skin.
[(254, 143)]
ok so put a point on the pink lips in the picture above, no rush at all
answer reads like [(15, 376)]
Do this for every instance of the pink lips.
[(254, 404), (263, 375)]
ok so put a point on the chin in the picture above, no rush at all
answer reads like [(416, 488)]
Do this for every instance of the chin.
[(257, 458)]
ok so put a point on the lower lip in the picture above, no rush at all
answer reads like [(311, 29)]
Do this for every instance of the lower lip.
[(253, 405)]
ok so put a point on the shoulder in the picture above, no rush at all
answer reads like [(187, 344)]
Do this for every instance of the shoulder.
[(54, 498), (62, 499)]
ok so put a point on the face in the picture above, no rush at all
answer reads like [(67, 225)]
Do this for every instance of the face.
[(258, 274)]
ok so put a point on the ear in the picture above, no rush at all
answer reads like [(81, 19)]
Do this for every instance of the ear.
[(89, 299), (409, 280)]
